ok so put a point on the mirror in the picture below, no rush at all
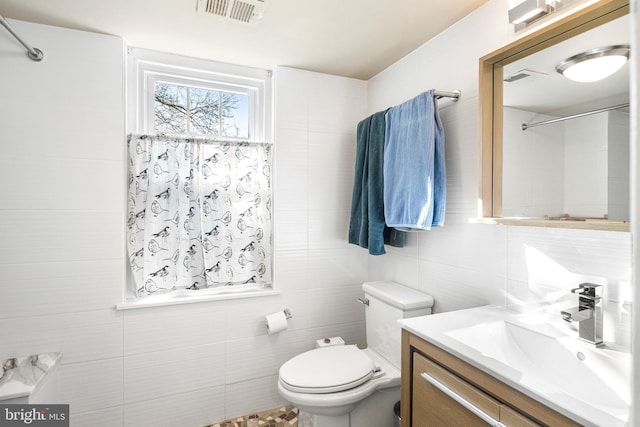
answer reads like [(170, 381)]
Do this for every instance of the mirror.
[(569, 167)]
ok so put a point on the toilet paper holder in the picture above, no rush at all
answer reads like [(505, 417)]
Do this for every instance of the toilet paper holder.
[(287, 313)]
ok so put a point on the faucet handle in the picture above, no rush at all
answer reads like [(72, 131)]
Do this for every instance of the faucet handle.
[(588, 291)]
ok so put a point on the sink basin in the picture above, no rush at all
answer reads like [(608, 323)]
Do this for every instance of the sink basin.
[(590, 374), (590, 385)]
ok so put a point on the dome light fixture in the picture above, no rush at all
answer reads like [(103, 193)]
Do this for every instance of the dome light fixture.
[(595, 64)]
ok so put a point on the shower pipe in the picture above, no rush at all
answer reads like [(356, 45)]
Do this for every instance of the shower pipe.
[(32, 52), (575, 116)]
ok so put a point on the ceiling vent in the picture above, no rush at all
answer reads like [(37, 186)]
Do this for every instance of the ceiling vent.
[(523, 74), (247, 11)]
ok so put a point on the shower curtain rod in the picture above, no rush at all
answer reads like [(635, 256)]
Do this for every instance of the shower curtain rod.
[(575, 116), (441, 94), (32, 52)]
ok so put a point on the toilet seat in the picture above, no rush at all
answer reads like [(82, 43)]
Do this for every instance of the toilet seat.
[(327, 370)]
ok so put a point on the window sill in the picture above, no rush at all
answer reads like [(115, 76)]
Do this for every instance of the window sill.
[(175, 298)]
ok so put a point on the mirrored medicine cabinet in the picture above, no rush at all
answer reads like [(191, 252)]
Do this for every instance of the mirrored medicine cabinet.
[(555, 152)]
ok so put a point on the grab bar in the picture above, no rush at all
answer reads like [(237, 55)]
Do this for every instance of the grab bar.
[(461, 400)]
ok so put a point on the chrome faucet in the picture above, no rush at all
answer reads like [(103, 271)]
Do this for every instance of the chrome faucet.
[(588, 313)]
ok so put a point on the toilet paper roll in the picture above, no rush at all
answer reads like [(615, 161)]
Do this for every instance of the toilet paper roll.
[(276, 322)]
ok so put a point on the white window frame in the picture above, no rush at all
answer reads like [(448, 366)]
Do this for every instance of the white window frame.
[(146, 67)]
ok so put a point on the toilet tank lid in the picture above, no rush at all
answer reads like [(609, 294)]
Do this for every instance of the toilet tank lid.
[(398, 295)]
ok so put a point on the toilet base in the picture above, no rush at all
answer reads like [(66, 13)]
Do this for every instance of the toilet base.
[(374, 411), (377, 409), (330, 420)]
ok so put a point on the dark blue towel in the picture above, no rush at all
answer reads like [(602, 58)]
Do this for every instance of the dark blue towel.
[(367, 225)]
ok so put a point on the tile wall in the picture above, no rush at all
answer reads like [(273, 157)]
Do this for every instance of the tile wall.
[(465, 265), (62, 219), (62, 175)]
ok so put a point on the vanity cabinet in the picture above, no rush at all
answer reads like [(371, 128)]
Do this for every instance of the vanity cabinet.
[(442, 390)]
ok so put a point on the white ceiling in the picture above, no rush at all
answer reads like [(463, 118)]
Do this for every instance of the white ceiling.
[(351, 38)]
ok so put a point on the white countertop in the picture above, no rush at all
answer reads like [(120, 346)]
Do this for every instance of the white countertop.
[(587, 384), (20, 376)]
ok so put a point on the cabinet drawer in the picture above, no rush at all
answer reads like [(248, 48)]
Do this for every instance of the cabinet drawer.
[(440, 398), (511, 418), (432, 407)]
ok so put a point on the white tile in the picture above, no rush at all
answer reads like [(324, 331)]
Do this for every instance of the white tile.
[(291, 230), (262, 356), (163, 328), (336, 104), (103, 140), (290, 195), (91, 386), (35, 116), (31, 289), (291, 102), (524, 293), (458, 243), (330, 113), (253, 396), (461, 157), (61, 184), (328, 229), (396, 266), (386, 267), (331, 170), (332, 305), (81, 337), (291, 270), (351, 333), (337, 266), (456, 288), (292, 148), (563, 257), (331, 152), (330, 190), (291, 170), (51, 236), (245, 318), (163, 373), (324, 84), (194, 409), (109, 417)]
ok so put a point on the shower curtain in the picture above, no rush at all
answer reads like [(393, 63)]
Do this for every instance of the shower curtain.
[(199, 213)]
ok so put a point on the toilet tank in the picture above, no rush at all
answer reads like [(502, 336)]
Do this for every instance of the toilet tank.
[(388, 303)]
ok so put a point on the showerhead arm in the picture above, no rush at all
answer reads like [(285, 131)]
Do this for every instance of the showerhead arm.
[(32, 52)]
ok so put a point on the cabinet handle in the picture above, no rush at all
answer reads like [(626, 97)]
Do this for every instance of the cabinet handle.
[(461, 400)]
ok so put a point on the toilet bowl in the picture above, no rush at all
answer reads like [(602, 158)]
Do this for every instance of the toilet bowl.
[(344, 386), (333, 380)]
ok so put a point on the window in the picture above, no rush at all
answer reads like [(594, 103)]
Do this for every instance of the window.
[(199, 196), (192, 110), (176, 95)]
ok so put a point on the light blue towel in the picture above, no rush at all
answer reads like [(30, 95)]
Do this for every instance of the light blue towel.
[(414, 167)]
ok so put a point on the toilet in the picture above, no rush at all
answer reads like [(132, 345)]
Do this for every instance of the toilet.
[(344, 386)]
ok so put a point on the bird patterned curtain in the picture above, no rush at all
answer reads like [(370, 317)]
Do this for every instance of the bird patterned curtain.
[(199, 213)]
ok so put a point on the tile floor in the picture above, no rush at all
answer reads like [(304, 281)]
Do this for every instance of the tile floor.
[(279, 417)]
